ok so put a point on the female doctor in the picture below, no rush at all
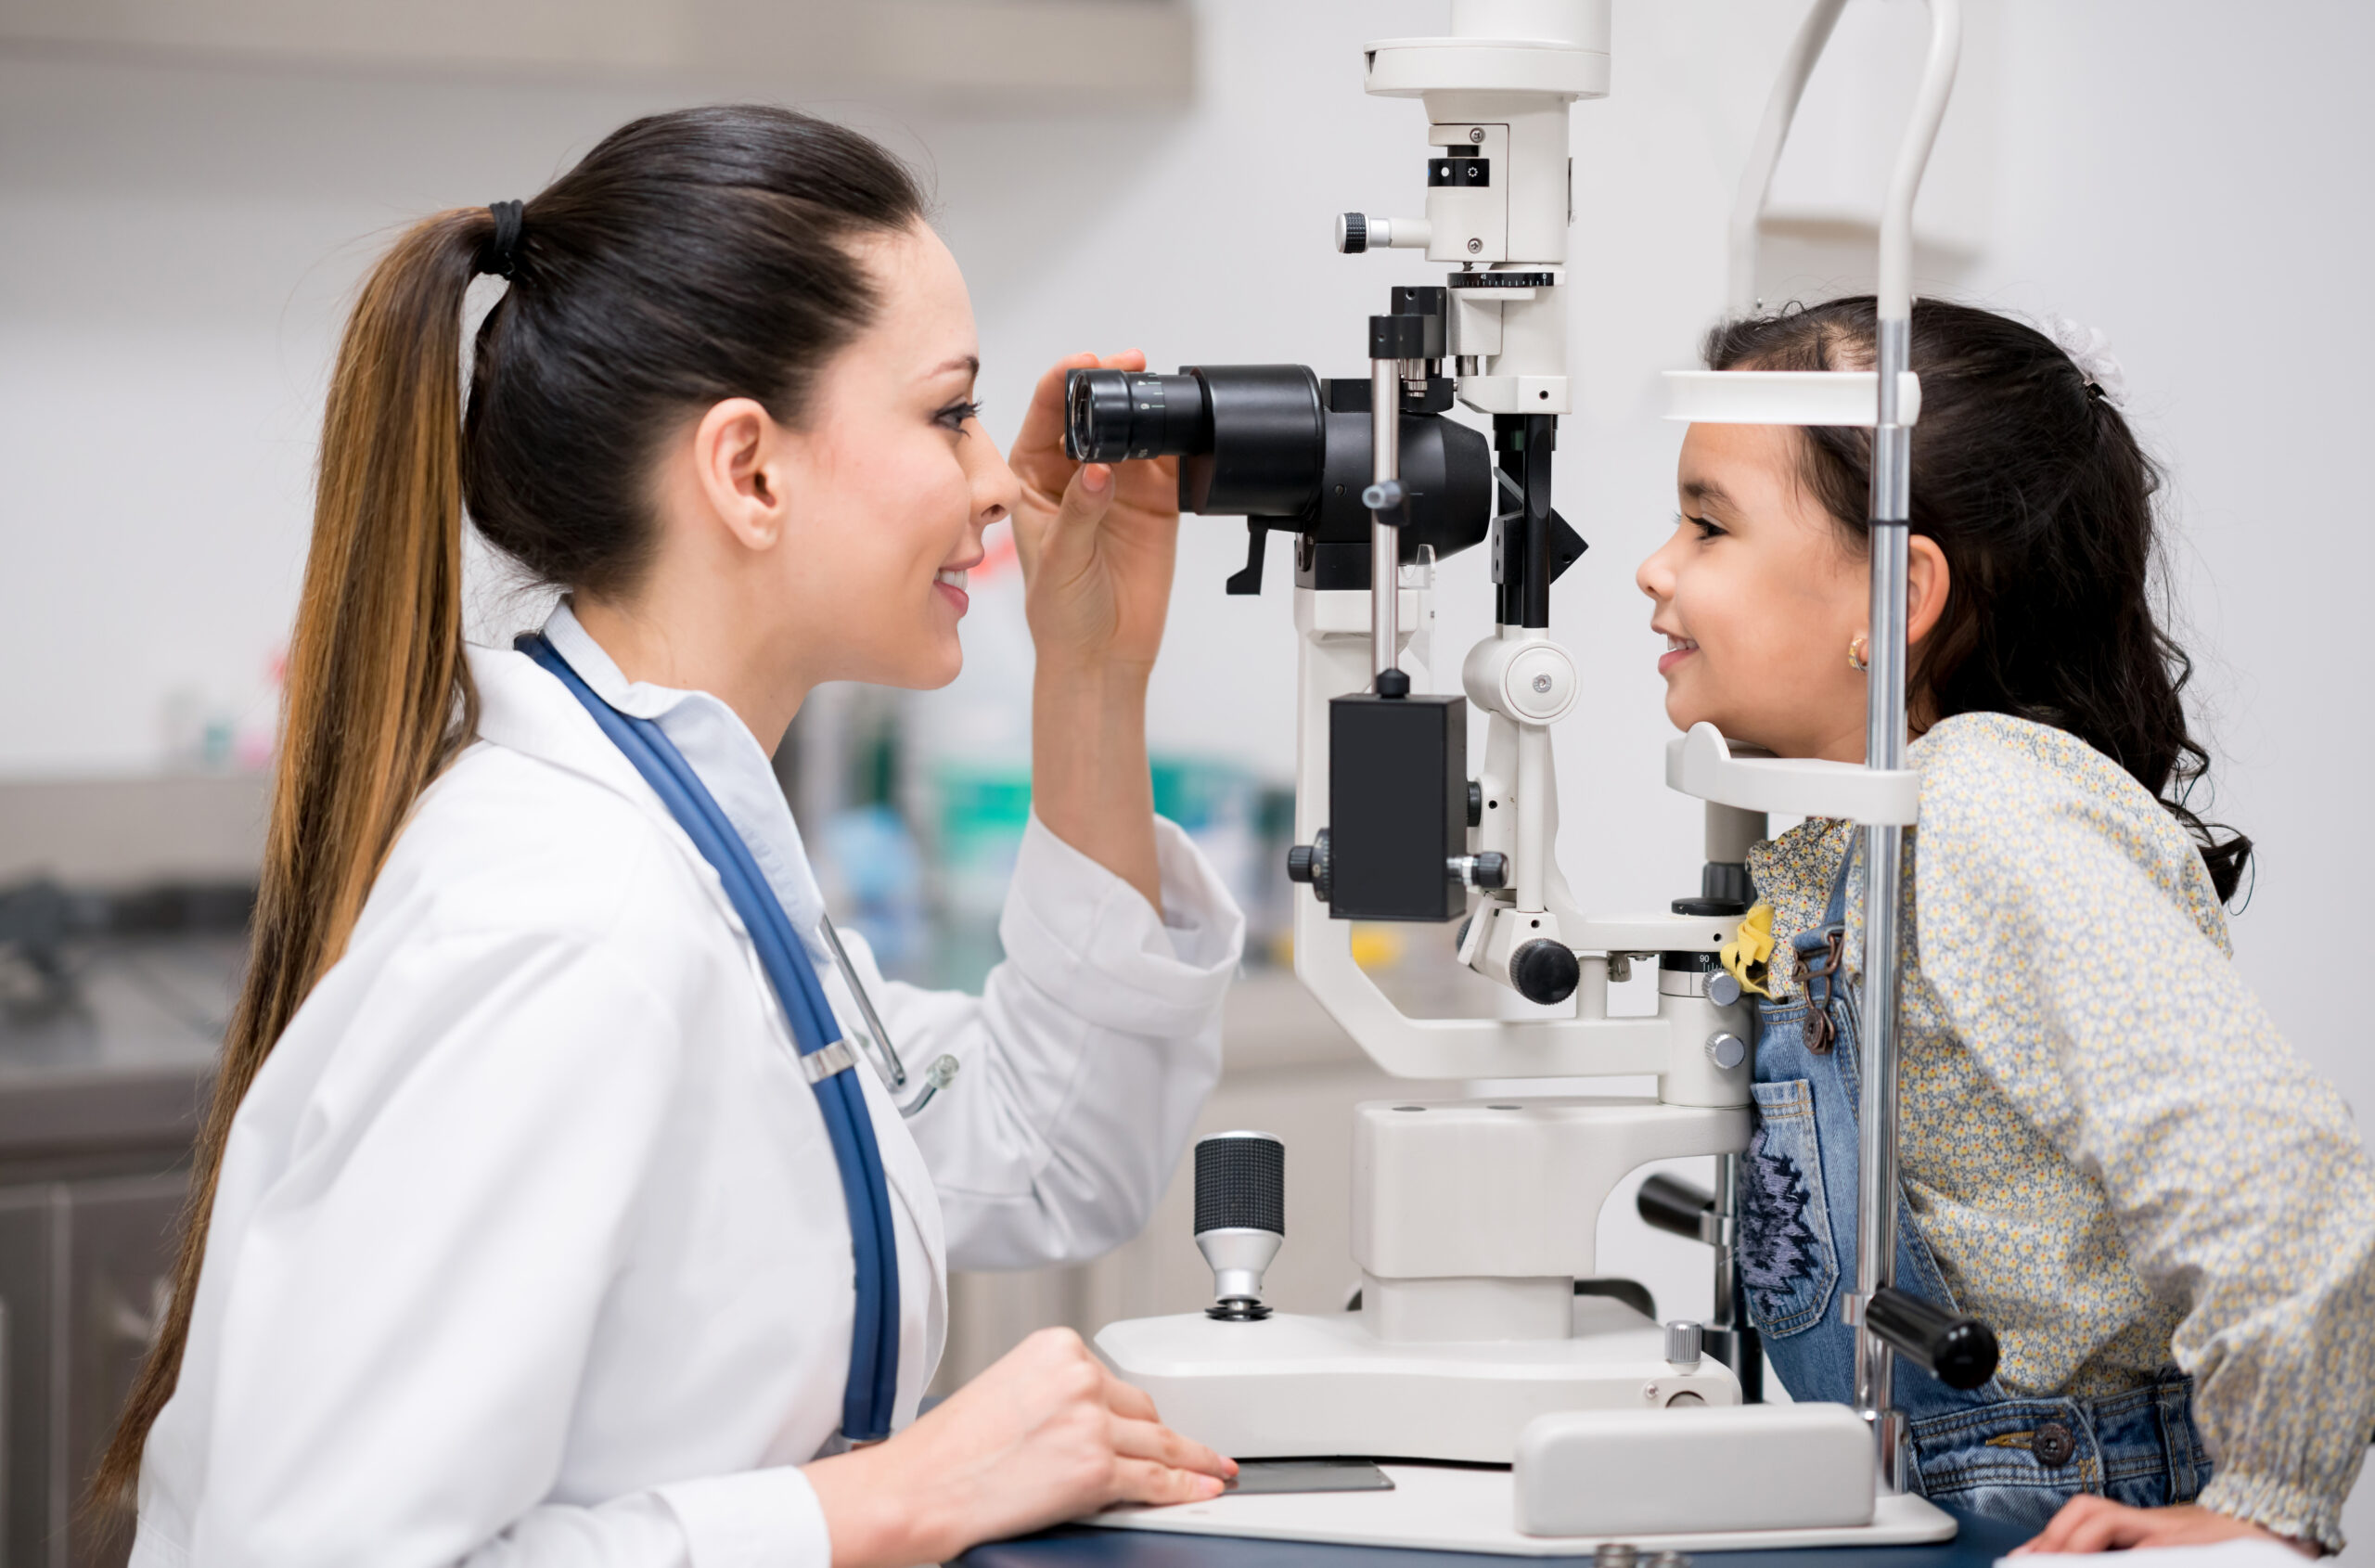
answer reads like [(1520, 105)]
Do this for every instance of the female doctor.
[(552, 1208)]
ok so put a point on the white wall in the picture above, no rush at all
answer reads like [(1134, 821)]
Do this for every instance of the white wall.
[(2187, 176)]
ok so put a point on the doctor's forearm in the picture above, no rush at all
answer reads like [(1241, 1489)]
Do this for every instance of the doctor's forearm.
[(1089, 782)]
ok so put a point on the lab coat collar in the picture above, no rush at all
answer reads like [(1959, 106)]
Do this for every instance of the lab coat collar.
[(730, 760)]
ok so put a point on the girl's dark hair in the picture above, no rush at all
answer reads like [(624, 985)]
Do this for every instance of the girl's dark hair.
[(690, 258), (2037, 491)]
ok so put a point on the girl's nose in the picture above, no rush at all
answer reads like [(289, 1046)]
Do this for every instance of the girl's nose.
[(1654, 576)]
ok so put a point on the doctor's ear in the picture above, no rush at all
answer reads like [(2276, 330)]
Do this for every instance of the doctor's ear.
[(740, 463)]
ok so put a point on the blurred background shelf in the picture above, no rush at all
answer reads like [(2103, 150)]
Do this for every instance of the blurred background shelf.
[(1036, 55)]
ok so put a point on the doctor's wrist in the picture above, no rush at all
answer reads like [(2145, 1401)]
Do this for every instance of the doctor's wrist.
[(871, 1518)]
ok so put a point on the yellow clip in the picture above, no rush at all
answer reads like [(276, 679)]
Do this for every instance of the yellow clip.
[(1748, 955)]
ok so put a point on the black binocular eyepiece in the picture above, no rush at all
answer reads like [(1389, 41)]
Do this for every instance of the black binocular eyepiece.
[(1276, 445), (1111, 416)]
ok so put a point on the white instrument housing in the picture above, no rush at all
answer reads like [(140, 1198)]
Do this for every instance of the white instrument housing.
[(1473, 1220)]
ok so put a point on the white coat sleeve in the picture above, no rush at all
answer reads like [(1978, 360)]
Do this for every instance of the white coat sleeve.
[(405, 1319), (1086, 1060)]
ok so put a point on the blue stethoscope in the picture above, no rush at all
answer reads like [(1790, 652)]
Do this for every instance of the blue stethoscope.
[(826, 1058)]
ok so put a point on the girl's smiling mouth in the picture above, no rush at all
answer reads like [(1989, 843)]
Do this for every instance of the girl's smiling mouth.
[(1677, 649)]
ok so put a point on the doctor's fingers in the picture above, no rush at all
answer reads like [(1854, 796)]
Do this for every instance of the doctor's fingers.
[(1153, 1441), (1127, 1399), (1143, 1481)]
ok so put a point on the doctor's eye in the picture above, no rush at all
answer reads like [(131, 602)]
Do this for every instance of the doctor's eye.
[(956, 413)]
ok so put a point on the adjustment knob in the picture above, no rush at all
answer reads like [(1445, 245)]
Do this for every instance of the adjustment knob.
[(1352, 233), (1241, 1216), (1726, 1049), (1682, 1343), (1544, 972), (1308, 863), (1490, 870)]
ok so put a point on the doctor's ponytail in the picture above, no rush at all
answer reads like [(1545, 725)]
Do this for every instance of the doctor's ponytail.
[(377, 697), (690, 258)]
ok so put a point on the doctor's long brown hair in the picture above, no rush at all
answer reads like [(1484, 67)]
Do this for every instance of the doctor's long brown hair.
[(689, 258)]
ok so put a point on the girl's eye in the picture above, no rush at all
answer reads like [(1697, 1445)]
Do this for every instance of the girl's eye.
[(1708, 527), (956, 413)]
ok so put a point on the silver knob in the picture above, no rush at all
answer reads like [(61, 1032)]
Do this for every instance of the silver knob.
[(1682, 1343), (1727, 1050), (1722, 988)]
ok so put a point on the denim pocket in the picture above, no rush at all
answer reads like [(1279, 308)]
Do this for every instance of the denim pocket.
[(1788, 1266)]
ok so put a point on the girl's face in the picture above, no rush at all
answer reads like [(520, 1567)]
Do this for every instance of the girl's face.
[(888, 482), (1758, 596)]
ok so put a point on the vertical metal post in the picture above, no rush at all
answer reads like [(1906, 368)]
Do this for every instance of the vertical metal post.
[(1876, 1208), (1385, 537), (1730, 1323)]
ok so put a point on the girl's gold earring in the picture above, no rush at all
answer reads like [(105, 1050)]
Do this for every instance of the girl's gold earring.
[(1855, 657)]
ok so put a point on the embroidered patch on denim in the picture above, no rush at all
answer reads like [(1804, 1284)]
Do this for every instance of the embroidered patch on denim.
[(1776, 1245)]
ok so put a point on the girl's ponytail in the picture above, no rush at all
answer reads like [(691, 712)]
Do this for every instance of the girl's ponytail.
[(377, 699)]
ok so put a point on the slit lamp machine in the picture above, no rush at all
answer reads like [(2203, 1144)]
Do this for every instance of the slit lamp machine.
[(1472, 1221)]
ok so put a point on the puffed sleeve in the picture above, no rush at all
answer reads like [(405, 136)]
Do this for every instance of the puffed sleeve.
[(1085, 1061), (404, 1314), (2083, 957)]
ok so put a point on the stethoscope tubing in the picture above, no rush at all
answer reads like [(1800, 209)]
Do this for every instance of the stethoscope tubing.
[(871, 1393)]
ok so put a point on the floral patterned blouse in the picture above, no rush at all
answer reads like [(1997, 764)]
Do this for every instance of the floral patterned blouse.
[(2117, 1161)]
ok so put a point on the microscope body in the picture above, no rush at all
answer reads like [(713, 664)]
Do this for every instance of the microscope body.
[(1472, 1220)]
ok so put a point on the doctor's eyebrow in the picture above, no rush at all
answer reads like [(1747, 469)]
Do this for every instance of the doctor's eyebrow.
[(969, 363)]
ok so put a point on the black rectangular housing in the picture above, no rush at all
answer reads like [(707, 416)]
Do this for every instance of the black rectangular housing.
[(1397, 806)]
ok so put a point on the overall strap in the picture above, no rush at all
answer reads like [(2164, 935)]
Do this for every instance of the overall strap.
[(825, 1059), (1821, 953)]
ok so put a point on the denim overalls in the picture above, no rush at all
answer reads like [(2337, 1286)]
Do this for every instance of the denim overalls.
[(1983, 1449)]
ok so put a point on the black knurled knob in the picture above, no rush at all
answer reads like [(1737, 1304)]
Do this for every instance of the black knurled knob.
[(1352, 232), (1492, 869), (1308, 863), (1240, 1183), (1544, 972)]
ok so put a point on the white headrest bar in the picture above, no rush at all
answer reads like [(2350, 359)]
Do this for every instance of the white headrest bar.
[(1787, 397)]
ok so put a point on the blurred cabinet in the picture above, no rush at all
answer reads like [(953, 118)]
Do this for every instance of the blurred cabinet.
[(84, 1270)]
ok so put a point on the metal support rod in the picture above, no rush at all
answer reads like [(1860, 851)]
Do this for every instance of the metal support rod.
[(1385, 537), (1885, 743), (1725, 1314)]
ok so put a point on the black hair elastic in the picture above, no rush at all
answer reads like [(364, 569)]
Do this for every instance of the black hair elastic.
[(499, 254)]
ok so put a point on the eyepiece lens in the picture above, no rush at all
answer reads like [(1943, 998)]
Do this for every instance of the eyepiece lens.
[(1110, 415)]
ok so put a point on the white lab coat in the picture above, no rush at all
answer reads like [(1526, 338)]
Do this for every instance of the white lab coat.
[(529, 1247)]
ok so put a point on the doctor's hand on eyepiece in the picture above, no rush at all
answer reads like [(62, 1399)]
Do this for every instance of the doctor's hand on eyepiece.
[(1098, 540), (1045, 1435)]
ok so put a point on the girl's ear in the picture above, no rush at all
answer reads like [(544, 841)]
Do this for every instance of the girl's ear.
[(1926, 581)]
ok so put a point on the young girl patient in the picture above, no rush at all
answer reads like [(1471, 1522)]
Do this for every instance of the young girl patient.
[(2109, 1153)]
